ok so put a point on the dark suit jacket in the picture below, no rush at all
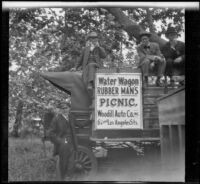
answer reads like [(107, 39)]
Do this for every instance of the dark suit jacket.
[(170, 53), (59, 127), (99, 52), (154, 51)]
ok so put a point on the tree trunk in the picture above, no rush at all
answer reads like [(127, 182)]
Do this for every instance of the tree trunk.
[(18, 119), (150, 20), (132, 28)]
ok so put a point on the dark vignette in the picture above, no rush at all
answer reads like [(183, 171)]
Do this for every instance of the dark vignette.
[(192, 30), (192, 96), (4, 96)]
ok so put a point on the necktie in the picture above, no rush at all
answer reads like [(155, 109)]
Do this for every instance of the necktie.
[(147, 47)]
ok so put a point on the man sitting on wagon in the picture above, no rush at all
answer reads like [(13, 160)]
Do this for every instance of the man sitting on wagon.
[(90, 59), (174, 53), (150, 57)]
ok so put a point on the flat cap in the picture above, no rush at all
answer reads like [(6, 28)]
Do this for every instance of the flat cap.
[(92, 35)]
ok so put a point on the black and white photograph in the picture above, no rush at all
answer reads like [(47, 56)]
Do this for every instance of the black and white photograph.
[(96, 91)]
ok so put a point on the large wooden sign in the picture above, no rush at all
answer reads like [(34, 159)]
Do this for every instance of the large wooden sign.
[(118, 101)]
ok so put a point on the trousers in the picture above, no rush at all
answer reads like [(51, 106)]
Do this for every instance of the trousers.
[(159, 66), (89, 73), (174, 68)]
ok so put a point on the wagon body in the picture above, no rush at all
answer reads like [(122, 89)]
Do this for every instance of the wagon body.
[(71, 83), (83, 106), (172, 130)]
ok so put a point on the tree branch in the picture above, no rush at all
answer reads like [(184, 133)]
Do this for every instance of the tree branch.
[(131, 27)]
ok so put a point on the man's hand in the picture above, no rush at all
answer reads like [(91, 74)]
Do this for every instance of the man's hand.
[(96, 44), (150, 57), (157, 58), (178, 60), (152, 64), (73, 70)]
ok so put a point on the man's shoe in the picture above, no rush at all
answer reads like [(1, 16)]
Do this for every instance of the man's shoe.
[(89, 87), (172, 83), (182, 83), (159, 84)]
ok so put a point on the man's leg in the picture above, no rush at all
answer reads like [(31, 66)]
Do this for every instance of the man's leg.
[(71, 164), (169, 70), (64, 155), (91, 74), (161, 71), (145, 71)]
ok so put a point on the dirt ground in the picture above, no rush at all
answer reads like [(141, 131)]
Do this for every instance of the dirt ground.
[(128, 166)]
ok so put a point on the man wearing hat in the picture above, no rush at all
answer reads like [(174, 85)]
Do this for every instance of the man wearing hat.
[(174, 53), (150, 57), (58, 131), (90, 59)]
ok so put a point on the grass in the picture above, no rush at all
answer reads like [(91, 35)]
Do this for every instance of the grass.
[(27, 160)]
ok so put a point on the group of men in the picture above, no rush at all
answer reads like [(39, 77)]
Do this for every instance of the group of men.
[(151, 57), (170, 57)]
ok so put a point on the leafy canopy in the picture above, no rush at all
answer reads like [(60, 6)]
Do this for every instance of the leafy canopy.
[(50, 39)]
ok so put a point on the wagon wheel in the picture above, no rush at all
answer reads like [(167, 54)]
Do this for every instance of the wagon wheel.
[(85, 162)]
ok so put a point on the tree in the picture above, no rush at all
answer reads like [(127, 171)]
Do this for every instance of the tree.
[(18, 118), (49, 39), (134, 28)]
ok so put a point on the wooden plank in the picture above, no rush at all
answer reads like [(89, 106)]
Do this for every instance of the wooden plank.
[(83, 130), (109, 134), (150, 106), (126, 139), (155, 91), (149, 101), (119, 70), (150, 115), (152, 95), (181, 133), (165, 144), (172, 108), (175, 143), (155, 109), (151, 123)]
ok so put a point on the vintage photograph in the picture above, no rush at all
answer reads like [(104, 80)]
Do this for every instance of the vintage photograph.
[(96, 93)]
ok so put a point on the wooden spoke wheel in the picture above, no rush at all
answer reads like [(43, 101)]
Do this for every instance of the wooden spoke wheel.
[(85, 162)]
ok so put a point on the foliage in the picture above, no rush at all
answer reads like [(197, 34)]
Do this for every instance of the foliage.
[(50, 39)]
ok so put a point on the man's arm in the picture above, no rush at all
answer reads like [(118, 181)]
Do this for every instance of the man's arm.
[(51, 131), (158, 52), (80, 60), (141, 54), (102, 52), (182, 50)]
